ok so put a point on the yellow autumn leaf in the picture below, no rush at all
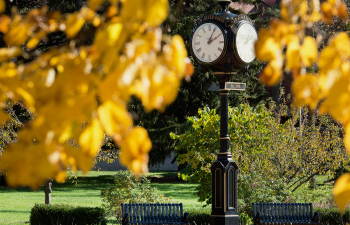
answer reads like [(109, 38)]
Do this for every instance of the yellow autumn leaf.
[(114, 118), (79, 158), (2, 6), (306, 91), (3, 117), (135, 148), (266, 48), (284, 14), (26, 96), (61, 177), (329, 59), (292, 54), (94, 4), (175, 56), (8, 53), (326, 9), (113, 31), (32, 43), (28, 165), (343, 11), (308, 51), (341, 191), (74, 23), (154, 12), (91, 138), (4, 23), (341, 44), (18, 32), (315, 8), (347, 137), (272, 73), (338, 101)]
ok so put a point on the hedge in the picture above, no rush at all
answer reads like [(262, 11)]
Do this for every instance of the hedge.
[(332, 216), (328, 216), (42, 214)]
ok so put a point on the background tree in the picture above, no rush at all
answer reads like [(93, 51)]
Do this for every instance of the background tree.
[(274, 158), (285, 44)]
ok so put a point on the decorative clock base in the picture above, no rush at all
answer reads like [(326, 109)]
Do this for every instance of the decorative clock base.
[(224, 220)]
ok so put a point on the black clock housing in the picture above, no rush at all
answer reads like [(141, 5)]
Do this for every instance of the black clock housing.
[(230, 60)]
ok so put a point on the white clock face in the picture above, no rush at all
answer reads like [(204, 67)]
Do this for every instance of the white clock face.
[(208, 42), (245, 39)]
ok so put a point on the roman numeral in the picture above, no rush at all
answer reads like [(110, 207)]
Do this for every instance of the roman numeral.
[(215, 55), (203, 29), (209, 27), (214, 29), (203, 55), (221, 41), (197, 43), (220, 49), (199, 50), (199, 36), (209, 58)]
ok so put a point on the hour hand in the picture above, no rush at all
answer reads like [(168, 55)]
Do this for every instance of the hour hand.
[(210, 40)]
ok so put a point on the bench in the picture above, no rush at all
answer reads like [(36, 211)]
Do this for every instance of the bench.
[(148, 213), (285, 213)]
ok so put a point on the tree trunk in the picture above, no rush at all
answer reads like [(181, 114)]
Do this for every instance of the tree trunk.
[(48, 191)]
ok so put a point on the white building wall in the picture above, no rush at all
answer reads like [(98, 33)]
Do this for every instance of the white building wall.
[(115, 166)]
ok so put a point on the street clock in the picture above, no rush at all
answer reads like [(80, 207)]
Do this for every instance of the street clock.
[(223, 41)]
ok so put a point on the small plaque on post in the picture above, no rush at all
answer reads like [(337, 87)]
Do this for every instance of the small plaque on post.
[(234, 86)]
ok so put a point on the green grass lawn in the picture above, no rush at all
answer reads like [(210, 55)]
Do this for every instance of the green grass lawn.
[(321, 195), (15, 204)]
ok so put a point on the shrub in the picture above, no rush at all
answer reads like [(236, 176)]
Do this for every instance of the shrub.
[(273, 156), (129, 189), (332, 216), (42, 214)]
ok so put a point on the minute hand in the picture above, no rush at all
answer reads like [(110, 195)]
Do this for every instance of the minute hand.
[(210, 41)]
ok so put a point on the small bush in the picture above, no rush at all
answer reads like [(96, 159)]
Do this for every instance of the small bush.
[(199, 217), (42, 214), (332, 216), (129, 189)]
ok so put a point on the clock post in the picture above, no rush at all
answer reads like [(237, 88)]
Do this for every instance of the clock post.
[(224, 170), (224, 42)]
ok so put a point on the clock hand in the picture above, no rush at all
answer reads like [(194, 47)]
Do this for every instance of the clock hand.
[(214, 38), (209, 41)]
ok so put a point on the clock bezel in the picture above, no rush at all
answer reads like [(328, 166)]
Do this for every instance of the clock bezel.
[(235, 29), (224, 50)]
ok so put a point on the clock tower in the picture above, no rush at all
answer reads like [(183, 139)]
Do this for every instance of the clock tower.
[(224, 43)]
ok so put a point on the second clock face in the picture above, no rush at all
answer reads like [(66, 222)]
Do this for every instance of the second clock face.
[(208, 42), (245, 40)]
